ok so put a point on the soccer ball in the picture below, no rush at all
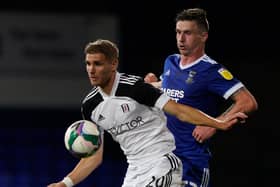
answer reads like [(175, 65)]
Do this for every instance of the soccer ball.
[(82, 138)]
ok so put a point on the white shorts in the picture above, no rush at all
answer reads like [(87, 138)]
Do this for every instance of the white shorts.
[(163, 172)]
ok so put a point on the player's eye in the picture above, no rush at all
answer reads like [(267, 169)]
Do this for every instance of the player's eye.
[(98, 63)]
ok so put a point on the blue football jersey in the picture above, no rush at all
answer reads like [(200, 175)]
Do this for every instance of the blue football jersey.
[(202, 85)]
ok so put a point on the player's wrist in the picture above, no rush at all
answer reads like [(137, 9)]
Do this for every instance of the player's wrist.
[(68, 182)]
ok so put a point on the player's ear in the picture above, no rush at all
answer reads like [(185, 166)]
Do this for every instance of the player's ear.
[(115, 64), (204, 36)]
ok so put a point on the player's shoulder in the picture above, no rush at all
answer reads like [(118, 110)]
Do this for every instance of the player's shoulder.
[(94, 92), (129, 79), (206, 63), (91, 100), (173, 57), (208, 60)]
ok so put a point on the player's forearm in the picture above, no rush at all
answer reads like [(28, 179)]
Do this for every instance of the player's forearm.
[(86, 166), (247, 107), (244, 101), (191, 115), (197, 117)]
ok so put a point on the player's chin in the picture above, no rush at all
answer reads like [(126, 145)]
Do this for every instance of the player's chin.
[(94, 82)]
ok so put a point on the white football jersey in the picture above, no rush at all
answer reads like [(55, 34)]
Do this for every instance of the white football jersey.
[(132, 115)]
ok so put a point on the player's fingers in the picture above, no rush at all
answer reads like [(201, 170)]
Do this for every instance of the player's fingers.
[(200, 140), (240, 120), (150, 77), (234, 121), (197, 137), (240, 116), (147, 79)]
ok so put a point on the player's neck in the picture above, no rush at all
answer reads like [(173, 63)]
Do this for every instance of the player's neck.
[(189, 59), (109, 86)]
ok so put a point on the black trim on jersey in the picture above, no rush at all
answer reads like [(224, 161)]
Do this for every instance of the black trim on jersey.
[(90, 102), (129, 86), (135, 88)]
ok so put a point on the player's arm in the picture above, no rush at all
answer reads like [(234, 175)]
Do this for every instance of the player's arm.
[(244, 101), (152, 79), (84, 167), (189, 114)]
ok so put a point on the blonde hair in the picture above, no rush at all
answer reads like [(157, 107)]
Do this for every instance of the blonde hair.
[(106, 47)]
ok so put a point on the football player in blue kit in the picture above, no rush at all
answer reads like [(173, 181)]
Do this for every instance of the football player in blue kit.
[(131, 111), (193, 78)]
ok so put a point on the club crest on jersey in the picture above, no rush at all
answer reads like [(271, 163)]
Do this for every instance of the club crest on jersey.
[(190, 77), (225, 73), (125, 107)]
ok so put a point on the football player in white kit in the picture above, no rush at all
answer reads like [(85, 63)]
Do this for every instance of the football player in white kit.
[(132, 112)]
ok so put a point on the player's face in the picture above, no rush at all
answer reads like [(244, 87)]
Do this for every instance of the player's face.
[(100, 70), (189, 37)]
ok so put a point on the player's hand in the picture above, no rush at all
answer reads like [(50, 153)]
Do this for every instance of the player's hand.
[(233, 119), (150, 77), (203, 133), (58, 184)]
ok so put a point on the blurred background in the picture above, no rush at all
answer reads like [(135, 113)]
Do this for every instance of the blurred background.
[(43, 80)]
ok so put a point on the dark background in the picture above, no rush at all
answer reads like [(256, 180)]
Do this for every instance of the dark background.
[(243, 36)]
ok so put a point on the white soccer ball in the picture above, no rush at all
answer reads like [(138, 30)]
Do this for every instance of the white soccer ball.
[(82, 138)]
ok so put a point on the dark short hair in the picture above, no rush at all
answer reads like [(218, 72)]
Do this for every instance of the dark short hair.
[(194, 14), (106, 47)]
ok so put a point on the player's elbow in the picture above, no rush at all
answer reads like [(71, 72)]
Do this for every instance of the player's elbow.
[(252, 105), (255, 105), (248, 105)]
